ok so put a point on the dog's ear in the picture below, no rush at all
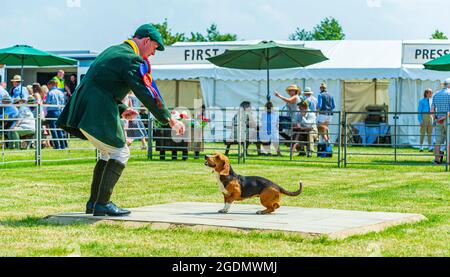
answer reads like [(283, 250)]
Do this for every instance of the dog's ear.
[(225, 165)]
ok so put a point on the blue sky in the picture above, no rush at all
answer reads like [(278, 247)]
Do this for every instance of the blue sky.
[(96, 24)]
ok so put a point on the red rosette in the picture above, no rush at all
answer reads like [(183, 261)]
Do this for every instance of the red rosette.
[(147, 81)]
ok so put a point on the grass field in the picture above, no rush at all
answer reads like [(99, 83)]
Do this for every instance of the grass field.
[(30, 193)]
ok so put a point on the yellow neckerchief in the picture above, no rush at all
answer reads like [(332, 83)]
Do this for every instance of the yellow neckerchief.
[(133, 45)]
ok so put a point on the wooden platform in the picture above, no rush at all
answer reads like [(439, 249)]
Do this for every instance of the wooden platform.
[(307, 221)]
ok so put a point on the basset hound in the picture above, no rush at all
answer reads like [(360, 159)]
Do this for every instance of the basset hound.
[(236, 187)]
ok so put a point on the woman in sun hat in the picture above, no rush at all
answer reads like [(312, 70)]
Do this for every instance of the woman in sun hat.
[(291, 107)]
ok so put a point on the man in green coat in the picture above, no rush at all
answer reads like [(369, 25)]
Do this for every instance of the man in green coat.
[(95, 109)]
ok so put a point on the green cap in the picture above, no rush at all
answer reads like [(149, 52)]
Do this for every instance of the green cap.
[(148, 30)]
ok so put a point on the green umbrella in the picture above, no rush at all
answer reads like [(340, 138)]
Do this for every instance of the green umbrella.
[(441, 64), (268, 55), (20, 55)]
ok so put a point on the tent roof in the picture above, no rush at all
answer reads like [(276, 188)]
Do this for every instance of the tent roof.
[(348, 59)]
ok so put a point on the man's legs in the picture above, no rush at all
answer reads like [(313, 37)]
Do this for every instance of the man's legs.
[(53, 132), (422, 134), (430, 136), (113, 162)]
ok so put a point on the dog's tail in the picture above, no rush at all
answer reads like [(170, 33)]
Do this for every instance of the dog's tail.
[(293, 193)]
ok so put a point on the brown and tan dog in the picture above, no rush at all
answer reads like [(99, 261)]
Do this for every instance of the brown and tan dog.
[(237, 187)]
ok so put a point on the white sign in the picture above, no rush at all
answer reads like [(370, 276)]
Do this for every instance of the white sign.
[(422, 53), (188, 54)]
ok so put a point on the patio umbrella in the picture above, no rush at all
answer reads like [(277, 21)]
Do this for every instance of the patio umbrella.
[(440, 64), (21, 55), (268, 55)]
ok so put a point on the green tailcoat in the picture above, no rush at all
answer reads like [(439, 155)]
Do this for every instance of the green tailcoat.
[(96, 104)]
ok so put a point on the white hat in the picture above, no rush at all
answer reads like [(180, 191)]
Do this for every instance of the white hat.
[(308, 90), (447, 82), (16, 78)]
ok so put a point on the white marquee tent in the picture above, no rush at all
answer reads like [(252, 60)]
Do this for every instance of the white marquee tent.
[(399, 63)]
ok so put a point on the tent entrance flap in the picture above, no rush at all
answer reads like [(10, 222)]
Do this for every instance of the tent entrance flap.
[(357, 95)]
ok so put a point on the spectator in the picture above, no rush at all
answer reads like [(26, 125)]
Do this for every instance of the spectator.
[(3, 85), (18, 90), (426, 119), (44, 93), (59, 79), (72, 85), (290, 107), (62, 85), (247, 125), (55, 97), (308, 93), (3, 92), (305, 128), (30, 91), (9, 112), (37, 93), (325, 106), (25, 125), (441, 107), (45, 132), (136, 128), (268, 132), (294, 98)]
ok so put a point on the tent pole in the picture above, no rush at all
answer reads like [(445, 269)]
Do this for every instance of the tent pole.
[(268, 79), (21, 78)]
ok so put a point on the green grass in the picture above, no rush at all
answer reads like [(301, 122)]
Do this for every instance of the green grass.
[(29, 193)]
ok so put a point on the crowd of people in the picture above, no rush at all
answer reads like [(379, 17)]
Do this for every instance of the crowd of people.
[(18, 121), (303, 120), (432, 114)]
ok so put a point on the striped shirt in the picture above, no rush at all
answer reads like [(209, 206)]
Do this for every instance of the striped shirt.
[(441, 102)]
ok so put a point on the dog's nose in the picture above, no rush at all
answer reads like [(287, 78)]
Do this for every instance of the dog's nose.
[(206, 157)]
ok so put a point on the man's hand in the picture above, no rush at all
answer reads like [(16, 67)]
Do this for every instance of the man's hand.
[(177, 126), (129, 114)]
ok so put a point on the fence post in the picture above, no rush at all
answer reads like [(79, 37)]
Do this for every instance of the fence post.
[(345, 139), (150, 138), (395, 137), (447, 141), (239, 134), (339, 139), (38, 158)]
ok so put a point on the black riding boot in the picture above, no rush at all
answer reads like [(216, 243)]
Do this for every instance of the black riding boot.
[(111, 174), (96, 179)]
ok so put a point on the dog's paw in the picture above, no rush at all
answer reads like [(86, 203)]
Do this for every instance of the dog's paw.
[(223, 211), (261, 212)]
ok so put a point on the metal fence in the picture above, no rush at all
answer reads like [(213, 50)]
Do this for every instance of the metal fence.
[(245, 135)]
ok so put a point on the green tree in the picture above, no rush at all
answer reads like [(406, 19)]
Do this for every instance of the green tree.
[(196, 37), (213, 34), (301, 35), (168, 37), (328, 29), (438, 35)]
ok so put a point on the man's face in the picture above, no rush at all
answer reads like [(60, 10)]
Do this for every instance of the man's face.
[(15, 84), (322, 88), (60, 74), (148, 47), (72, 78)]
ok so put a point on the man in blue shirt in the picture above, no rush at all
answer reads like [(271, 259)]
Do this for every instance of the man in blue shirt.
[(55, 97), (19, 90), (426, 119), (8, 113), (308, 93), (441, 107), (325, 106)]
